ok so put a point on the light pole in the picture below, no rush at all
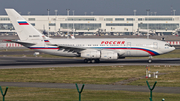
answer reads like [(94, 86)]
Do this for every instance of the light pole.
[(56, 12), (134, 22), (92, 13), (48, 21), (29, 13), (93, 23), (155, 13), (73, 22), (174, 11), (148, 23), (48, 12), (135, 12), (151, 13), (141, 27), (68, 20)]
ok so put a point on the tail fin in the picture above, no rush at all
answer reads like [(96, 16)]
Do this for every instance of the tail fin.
[(24, 29), (72, 36)]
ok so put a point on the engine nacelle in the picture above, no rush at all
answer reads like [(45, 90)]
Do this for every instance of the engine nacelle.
[(91, 54), (109, 55), (95, 54)]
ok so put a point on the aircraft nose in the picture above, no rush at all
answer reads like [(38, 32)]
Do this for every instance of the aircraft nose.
[(173, 48)]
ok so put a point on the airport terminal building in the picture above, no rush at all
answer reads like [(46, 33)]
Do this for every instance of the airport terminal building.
[(91, 24)]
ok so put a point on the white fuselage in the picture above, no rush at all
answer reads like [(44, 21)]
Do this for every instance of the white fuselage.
[(124, 47)]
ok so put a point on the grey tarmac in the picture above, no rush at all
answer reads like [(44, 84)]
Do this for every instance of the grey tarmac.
[(36, 62)]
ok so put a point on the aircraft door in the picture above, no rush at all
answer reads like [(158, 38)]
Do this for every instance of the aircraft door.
[(128, 44), (155, 45), (128, 52)]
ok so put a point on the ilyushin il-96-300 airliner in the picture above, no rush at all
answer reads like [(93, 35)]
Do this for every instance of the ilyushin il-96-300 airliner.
[(91, 49)]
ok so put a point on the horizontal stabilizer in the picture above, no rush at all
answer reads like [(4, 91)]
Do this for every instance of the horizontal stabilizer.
[(20, 42)]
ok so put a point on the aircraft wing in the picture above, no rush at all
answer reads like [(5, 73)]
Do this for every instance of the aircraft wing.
[(69, 48), (77, 49)]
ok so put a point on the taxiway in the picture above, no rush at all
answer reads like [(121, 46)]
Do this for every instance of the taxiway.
[(36, 62)]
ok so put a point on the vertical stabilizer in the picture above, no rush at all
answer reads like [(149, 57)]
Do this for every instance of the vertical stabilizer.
[(24, 29)]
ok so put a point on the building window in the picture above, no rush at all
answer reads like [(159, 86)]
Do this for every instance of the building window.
[(31, 19), (81, 26), (119, 19), (140, 19), (108, 19), (52, 24), (81, 19), (4, 19), (33, 24), (119, 24), (159, 26), (130, 19), (158, 19)]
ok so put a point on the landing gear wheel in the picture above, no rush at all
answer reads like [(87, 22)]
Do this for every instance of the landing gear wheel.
[(97, 60), (93, 61), (150, 60), (88, 61), (85, 60)]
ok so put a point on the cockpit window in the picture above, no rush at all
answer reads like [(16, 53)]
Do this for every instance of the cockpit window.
[(168, 45)]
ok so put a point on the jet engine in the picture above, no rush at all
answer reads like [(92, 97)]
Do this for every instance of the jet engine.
[(95, 54), (91, 54), (109, 55)]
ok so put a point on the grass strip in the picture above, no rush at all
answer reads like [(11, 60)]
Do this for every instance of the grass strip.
[(132, 75), (56, 94)]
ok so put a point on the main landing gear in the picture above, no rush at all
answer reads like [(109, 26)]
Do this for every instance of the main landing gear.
[(91, 60), (150, 59)]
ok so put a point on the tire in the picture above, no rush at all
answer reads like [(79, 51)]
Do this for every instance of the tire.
[(88, 61), (85, 60), (97, 60), (93, 61), (150, 61)]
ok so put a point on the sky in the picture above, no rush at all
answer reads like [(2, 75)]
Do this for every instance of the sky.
[(98, 7)]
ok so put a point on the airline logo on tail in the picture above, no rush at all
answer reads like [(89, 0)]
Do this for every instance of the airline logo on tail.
[(23, 23)]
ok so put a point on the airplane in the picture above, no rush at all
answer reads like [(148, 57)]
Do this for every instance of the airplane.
[(91, 49)]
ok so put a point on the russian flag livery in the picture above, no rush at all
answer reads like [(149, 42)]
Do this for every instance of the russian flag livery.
[(46, 40), (23, 23)]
